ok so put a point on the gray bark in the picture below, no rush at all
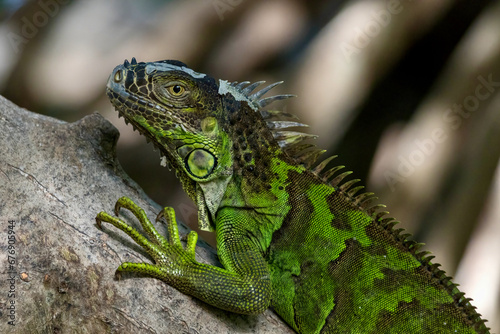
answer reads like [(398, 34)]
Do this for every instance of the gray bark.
[(54, 178)]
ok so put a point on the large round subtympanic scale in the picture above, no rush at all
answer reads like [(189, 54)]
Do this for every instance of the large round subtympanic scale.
[(200, 163)]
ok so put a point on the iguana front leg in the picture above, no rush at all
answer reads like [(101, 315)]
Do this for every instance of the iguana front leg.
[(243, 286)]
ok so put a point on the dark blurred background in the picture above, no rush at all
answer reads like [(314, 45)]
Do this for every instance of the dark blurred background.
[(405, 92)]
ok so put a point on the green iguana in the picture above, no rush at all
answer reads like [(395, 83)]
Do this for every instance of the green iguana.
[(290, 235)]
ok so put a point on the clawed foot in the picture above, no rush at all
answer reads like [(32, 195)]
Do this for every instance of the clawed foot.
[(168, 254)]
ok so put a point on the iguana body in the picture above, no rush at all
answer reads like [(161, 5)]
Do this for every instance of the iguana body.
[(288, 236)]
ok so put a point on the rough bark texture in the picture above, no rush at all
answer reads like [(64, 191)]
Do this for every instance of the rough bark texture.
[(54, 178)]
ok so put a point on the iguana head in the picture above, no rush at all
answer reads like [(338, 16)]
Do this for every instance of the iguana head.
[(177, 109)]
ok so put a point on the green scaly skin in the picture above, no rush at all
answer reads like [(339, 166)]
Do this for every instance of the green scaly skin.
[(288, 236)]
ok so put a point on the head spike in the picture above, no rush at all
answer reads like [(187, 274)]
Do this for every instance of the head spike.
[(309, 158), (242, 84), (257, 95), (266, 114), (126, 64), (133, 61), (347, 185), (336, 181), (354, 190), (368, 203), (286, 138), (319, 168), (363, 197), (268, 100), (329, 173), (284, 124), (380, 216), (373, 210), (294, 150), (247, 90)]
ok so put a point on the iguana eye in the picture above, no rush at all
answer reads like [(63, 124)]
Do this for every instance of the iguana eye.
[(176, 90), (118, 76)]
